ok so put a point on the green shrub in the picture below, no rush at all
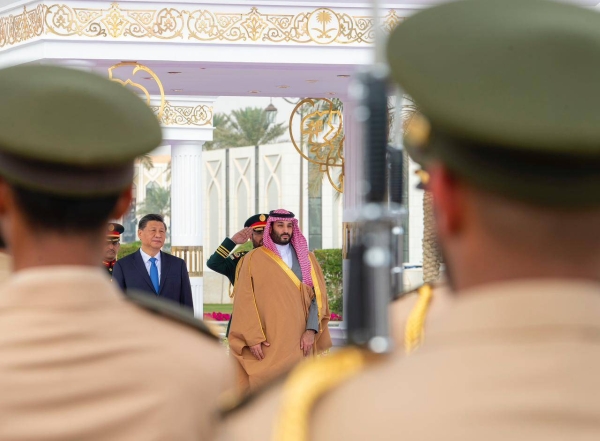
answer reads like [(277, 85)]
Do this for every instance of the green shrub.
[(128, 248), (331, 264)]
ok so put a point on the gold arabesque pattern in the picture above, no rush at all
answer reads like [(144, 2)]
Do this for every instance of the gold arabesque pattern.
[(322, 128), (22, 27), (319, 26), (115, 22), (200, 115)]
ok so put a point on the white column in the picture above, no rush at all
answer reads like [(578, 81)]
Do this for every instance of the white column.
[(186, 212), (353, 196), (187, 124)]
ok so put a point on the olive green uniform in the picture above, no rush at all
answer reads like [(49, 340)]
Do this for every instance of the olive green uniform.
[(223, 262)]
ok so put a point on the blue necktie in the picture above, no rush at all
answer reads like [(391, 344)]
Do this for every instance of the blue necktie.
[(154, 274)]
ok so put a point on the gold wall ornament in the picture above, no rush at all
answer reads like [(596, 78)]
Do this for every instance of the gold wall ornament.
[(115, 22), (321, 129), (322, 26), (22, 27), (129, 82), (391, 21), (200, 115)]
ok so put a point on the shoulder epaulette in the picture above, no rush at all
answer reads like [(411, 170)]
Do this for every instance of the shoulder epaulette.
[(170, 310), (415, 323), (403, 294), (302, 386), (236, 256), (308, 382)]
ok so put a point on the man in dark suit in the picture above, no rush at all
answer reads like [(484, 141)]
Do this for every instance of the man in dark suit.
[(151, 270)]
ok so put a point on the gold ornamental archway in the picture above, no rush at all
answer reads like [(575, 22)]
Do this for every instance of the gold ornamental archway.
[(137, 67), (321, 131)]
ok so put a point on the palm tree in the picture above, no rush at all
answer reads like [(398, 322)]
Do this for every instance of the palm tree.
[(146, 161), (158, 201), (221, 132), (249, 127)]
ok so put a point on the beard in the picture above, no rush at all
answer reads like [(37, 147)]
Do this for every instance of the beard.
[(284, 239)]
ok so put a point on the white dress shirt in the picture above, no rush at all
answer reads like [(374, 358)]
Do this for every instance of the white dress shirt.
[(146, 258), (285, 251), (312, 323)]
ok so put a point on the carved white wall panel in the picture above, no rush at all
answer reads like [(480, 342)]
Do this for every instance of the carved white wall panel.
[(214, 214), (271, 190)]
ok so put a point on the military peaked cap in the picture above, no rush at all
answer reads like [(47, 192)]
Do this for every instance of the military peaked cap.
[(257, 222), (68, 132), (509, 90), (114, 231)]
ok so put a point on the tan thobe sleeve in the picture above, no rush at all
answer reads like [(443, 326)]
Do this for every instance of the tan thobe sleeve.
[(246, 327), (323, 338)]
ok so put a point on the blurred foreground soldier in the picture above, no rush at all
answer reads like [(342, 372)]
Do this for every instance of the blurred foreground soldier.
[(5, 262), (79, 361), (223, 261), (280, 310), (511, 145), (113, 243)]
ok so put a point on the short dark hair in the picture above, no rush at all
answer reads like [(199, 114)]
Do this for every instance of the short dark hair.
[(65, 214), (151, 217)]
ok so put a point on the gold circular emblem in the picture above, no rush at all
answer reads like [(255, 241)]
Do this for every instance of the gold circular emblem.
[(418, 131), (111, 227), (262, 218)]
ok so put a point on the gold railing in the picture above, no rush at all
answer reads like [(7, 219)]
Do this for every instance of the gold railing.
[(194, 259)]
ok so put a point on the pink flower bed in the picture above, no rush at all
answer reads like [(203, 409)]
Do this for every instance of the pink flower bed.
[(217, 316), (224, 317)]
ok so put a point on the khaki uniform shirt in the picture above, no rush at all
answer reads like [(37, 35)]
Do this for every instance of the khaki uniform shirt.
[(79, 362), (510, 361), (401, 308), (5, 266)]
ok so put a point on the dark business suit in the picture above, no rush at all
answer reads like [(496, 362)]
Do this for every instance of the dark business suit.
[(131, 273)]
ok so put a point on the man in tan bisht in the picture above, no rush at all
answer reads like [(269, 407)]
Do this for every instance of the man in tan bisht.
[(280, 305)]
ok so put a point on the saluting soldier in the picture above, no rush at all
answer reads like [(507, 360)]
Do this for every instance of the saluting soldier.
[(509, 91), (223, 261), (80, 361), (113, 243)]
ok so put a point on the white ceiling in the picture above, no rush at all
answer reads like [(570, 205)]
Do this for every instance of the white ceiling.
[(237, 78), (233, 79)]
